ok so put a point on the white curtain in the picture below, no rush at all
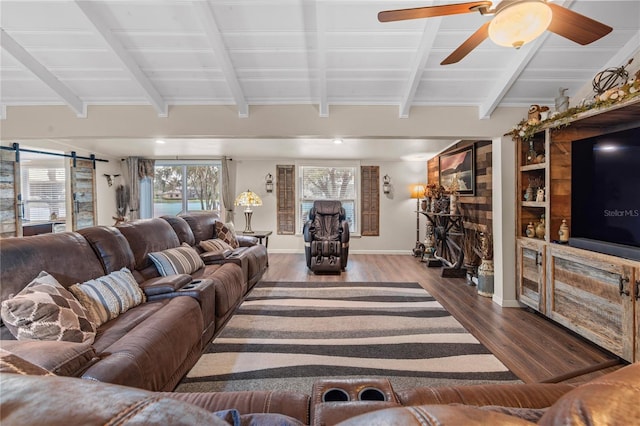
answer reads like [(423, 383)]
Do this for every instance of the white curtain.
[(228, 190)]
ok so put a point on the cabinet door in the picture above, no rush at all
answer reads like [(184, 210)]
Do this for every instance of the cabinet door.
[(636, 306), (592, 294), (531, 274)]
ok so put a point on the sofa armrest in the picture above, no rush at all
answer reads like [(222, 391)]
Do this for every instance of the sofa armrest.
[(246, 240), (168, 284), (60, 358), (211, 257)]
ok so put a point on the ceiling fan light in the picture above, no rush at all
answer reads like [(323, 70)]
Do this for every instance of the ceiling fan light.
[(520, 23)]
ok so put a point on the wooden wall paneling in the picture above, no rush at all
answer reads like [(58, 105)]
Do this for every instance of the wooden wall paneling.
[(584, 296), (286, 200), (83, 194), (10, 222), (370, 200)]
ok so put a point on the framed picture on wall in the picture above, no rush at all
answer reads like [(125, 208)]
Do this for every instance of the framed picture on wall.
[(457, 170)]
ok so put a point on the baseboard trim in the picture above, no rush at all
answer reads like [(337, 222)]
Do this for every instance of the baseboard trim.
[(387, 252)]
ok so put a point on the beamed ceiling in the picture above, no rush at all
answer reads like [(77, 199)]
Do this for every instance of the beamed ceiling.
[(247, 53)]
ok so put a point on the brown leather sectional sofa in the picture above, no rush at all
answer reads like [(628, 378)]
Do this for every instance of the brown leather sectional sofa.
[(152, 345)]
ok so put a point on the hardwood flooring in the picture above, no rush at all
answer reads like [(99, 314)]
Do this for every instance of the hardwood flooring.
[(533, 347)]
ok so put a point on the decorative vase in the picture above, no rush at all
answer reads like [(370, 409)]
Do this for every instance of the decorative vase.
[(540, 231), (564, 232), (530, 232), (531, 154), (453, 204), (424, 204), (528, 193), (485, 278)]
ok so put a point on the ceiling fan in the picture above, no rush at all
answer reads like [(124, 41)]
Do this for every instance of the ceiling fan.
[(515, 23)]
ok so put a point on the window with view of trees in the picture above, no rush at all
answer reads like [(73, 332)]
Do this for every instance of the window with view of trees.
[(329, 183), (182, 187)]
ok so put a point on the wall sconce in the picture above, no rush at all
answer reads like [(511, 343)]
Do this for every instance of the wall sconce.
[(386, 184), (268, 182)]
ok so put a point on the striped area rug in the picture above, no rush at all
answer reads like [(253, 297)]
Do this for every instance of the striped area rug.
[(284, 336)]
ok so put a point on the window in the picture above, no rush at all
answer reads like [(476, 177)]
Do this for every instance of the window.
[(329, 183), (186, 186), (43, 189)]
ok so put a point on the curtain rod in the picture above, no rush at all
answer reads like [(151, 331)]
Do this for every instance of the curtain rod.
[(16, 147)]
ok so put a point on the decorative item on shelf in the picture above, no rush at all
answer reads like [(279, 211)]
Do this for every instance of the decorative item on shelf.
[(528, 193), (453, 194), (535, 113), (540, 228), (247, 200), (485, 270), (562, 101), (540, 195), (268, 183), (418, 192), (424, 204), (610, 78), (386, 184), (564, 232), (442, 204), (530, 231), (434, 191), (531, 155)]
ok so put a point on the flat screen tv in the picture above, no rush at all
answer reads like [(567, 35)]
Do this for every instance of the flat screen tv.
[(605, 193)]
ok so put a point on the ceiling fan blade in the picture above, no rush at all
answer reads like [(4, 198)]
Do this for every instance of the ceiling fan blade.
[(576, 27), (469, 44), (431, 11)]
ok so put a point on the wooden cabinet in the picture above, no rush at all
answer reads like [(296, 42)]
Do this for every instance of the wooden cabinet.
[(593, 294), (531, 260)]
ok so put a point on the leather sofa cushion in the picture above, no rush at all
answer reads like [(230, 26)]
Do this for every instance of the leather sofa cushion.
[(60, 358), (156, 353), (202, 224), (110, 246), (229, 285), (182, 229), (147, 236), (37, 399), (59, 254)]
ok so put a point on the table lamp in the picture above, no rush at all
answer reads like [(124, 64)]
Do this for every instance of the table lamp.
[(247, 200)]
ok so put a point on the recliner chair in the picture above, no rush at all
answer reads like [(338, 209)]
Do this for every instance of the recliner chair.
[(326, 236)]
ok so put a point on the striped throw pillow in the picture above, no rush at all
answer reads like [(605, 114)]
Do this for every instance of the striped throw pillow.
[(107, 297), (180, 260), (215, 245)]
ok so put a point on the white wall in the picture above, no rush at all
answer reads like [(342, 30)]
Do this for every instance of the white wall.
[(397, 210), (105, 194)]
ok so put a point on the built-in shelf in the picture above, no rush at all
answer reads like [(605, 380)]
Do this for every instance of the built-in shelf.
[(540, 204), (529, 167)]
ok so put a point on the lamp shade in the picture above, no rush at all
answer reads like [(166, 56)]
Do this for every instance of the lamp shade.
[(417, 190), (520, 23), (248, 199)]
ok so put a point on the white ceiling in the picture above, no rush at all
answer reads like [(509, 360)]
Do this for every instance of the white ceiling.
[(281, 52)]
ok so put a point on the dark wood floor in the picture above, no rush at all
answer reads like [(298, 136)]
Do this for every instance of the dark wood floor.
[(533, 347)]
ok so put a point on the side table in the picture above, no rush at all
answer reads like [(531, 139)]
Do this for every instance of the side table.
[(260, 235)]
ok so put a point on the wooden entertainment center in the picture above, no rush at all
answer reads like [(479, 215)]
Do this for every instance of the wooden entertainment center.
[(596, 295)]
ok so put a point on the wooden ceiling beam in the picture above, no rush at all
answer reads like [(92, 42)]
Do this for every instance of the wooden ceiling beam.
[(422, 55), (42, 73), (210, 26), (321, 57), (127, 61)]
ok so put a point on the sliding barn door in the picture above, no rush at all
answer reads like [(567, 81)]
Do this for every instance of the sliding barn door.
[(10, 203), (83, 213)]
